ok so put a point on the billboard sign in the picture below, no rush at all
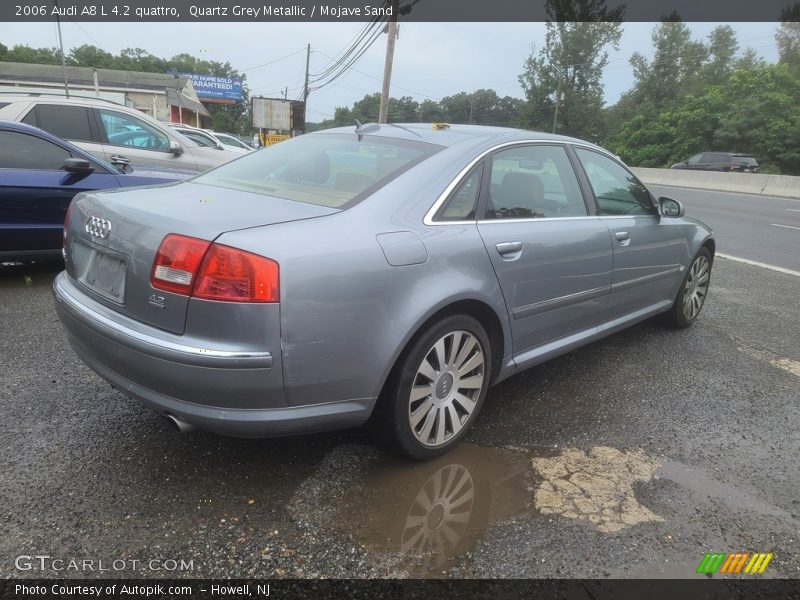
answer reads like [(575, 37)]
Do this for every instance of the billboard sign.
[(272, 113), (211, 87)]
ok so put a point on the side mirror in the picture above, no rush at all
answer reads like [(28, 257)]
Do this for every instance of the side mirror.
[(667, 207), (175, 148), (220, 147), (78, 165)]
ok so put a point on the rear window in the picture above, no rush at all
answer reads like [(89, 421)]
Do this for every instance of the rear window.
[(66, 122), (745, 160), (330, 170)]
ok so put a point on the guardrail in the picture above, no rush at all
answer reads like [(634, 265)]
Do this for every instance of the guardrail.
[(747, 183)]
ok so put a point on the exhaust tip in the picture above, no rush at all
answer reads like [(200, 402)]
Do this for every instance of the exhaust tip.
[(179, 425)]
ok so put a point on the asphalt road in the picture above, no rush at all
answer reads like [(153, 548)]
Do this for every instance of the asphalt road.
[(631, 457), (760, 228)]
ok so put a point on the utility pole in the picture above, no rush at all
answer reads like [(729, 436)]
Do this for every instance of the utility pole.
[(61, 46), (387, 67), (558, 101), (305, 87)]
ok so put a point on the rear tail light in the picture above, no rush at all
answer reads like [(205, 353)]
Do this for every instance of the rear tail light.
[(176, 264), (198, 268), (233, 275)]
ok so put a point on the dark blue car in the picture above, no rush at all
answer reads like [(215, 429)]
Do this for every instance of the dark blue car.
[(39, 176)]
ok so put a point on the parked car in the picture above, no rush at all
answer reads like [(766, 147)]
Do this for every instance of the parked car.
[(207, 138), (720, 161), (111, 131), (39, 175), (230, 140), (391, 272)]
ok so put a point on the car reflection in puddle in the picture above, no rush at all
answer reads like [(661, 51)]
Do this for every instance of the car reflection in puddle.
[(423, 516)]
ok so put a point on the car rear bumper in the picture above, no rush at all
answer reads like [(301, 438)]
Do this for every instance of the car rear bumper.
[(227, 392)]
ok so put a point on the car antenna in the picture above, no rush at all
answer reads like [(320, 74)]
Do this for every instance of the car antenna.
[(362, 130)]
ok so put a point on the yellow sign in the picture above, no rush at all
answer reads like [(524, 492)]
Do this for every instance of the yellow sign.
[(268, 140)]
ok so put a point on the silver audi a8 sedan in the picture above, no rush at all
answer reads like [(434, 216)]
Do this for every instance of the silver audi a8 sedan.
[(386, 273)]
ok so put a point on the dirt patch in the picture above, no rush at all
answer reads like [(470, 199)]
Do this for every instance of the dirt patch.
[(595, 485)]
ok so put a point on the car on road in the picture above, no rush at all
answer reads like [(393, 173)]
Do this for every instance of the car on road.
[(39, 176), (390, 273), (719, 161), (111, 131), (209, 139)]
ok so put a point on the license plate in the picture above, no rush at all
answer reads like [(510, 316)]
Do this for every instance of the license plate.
[(106, 275)]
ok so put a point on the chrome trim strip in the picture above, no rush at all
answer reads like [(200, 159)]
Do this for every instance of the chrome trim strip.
[(156, 346), (428, 219), (560, 302), (645, 279)]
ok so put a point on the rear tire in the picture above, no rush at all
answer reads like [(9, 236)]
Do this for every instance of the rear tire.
[(693, 291), (437, 388)]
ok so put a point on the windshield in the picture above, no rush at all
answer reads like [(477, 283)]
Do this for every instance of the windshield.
[(334, 170), (231, 141)]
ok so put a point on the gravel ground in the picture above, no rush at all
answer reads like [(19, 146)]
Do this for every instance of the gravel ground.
[(714, 410)]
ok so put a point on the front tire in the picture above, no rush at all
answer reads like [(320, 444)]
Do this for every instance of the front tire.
[(438, 387), (693, 291)]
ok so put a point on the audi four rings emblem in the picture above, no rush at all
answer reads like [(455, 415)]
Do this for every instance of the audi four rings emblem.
[(98, 227)]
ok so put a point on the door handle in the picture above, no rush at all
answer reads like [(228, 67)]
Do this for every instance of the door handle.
[(622, 235), (118, 158), (509, 247)]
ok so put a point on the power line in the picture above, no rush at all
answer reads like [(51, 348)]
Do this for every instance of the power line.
[(274, 60)]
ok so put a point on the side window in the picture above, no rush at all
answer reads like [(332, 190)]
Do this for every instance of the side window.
[(461, 204), (67, 122), (695, 159), (24, 151), (617, 191), (127, 130), (534, 182)]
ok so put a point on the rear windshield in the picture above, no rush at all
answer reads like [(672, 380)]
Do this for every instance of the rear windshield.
[(328, 169), (745, 160)]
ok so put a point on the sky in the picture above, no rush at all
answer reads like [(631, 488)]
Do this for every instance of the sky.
[(432, 60)]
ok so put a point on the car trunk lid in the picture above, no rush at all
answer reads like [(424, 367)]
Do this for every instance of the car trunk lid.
[(112, 238)]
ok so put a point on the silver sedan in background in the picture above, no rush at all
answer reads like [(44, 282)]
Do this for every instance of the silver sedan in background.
[(383, 273)]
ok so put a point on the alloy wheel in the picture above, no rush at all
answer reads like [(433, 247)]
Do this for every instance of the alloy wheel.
[(694, 293), (446, 388)]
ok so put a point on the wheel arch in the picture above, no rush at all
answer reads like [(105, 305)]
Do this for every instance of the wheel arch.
[(482, 311)]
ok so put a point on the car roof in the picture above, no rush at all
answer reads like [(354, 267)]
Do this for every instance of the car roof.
[(57, 98), (453, 134)]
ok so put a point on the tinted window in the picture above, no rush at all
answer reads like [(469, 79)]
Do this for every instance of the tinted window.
[(695, 159), (617, 191), (712, 158), (24, 151), (461, 204), (327, 169), (534, 182), (66, 122), (126, 130)]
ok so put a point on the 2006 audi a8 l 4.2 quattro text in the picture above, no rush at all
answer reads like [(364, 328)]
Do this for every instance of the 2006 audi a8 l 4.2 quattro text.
[(386, 273)]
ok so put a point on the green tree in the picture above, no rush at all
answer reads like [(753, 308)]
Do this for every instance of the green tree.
[(722, 48), (755, 110), (91, 56), (563, 83), (788, 41)]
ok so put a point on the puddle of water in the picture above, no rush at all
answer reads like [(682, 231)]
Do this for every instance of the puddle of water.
[(595, 485), (424, 515)]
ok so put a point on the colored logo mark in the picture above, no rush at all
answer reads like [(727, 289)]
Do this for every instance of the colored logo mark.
[(734, 562)]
